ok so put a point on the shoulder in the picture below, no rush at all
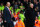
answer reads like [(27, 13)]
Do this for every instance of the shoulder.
[(5, 8)]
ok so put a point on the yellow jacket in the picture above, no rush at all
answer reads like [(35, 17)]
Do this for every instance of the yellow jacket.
[(19, 24)]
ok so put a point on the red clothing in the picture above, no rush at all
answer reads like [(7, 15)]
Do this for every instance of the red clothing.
[(16, 16), (18, 13)]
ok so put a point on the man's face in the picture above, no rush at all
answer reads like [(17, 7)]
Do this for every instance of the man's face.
[(8, 4), (27, 0), (31, 5), (24, 0), (36, 18), (21, 4), (16, 3), (1, 4), (34, 1), (39, 0)]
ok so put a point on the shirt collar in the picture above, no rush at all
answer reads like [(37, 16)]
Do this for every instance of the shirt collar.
[(7, 7)]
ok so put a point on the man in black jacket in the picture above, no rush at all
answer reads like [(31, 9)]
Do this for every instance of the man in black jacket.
[(30, 16)]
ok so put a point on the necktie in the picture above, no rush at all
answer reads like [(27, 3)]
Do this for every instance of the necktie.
[(9, 11)]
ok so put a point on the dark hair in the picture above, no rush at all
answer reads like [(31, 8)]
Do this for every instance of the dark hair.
[(13, 19), (21, 11)]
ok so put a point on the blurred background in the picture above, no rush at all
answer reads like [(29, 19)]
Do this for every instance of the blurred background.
[(20, 7)]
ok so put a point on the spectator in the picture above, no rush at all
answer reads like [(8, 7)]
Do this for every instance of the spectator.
[(36, 22), (19, 3), (15, 15), (26, 4), (17, 10), (39, 20), (35, 3), (1, 20), (14, 21), (13, 3), (39, 17), (15, 6), (19, 23), (21, 15), (22, 7), (24, 0), (39, 4), (36, 11), (2, 8)]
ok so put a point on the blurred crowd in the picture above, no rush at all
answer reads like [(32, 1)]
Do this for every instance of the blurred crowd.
[(18, 9)]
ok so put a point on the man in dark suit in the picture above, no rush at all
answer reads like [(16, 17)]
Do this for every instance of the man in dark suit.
[(30, 16), (7, 16)]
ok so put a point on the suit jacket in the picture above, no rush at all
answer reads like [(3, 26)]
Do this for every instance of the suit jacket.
[(30, 15), (6, 15)]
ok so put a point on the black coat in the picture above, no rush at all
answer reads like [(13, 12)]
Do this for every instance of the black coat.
[(29, 13), (36, 14), (30, 16)]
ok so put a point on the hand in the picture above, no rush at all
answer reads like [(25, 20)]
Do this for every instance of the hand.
[(5, 21)]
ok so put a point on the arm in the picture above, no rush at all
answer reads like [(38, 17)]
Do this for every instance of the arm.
[(4, 14)]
